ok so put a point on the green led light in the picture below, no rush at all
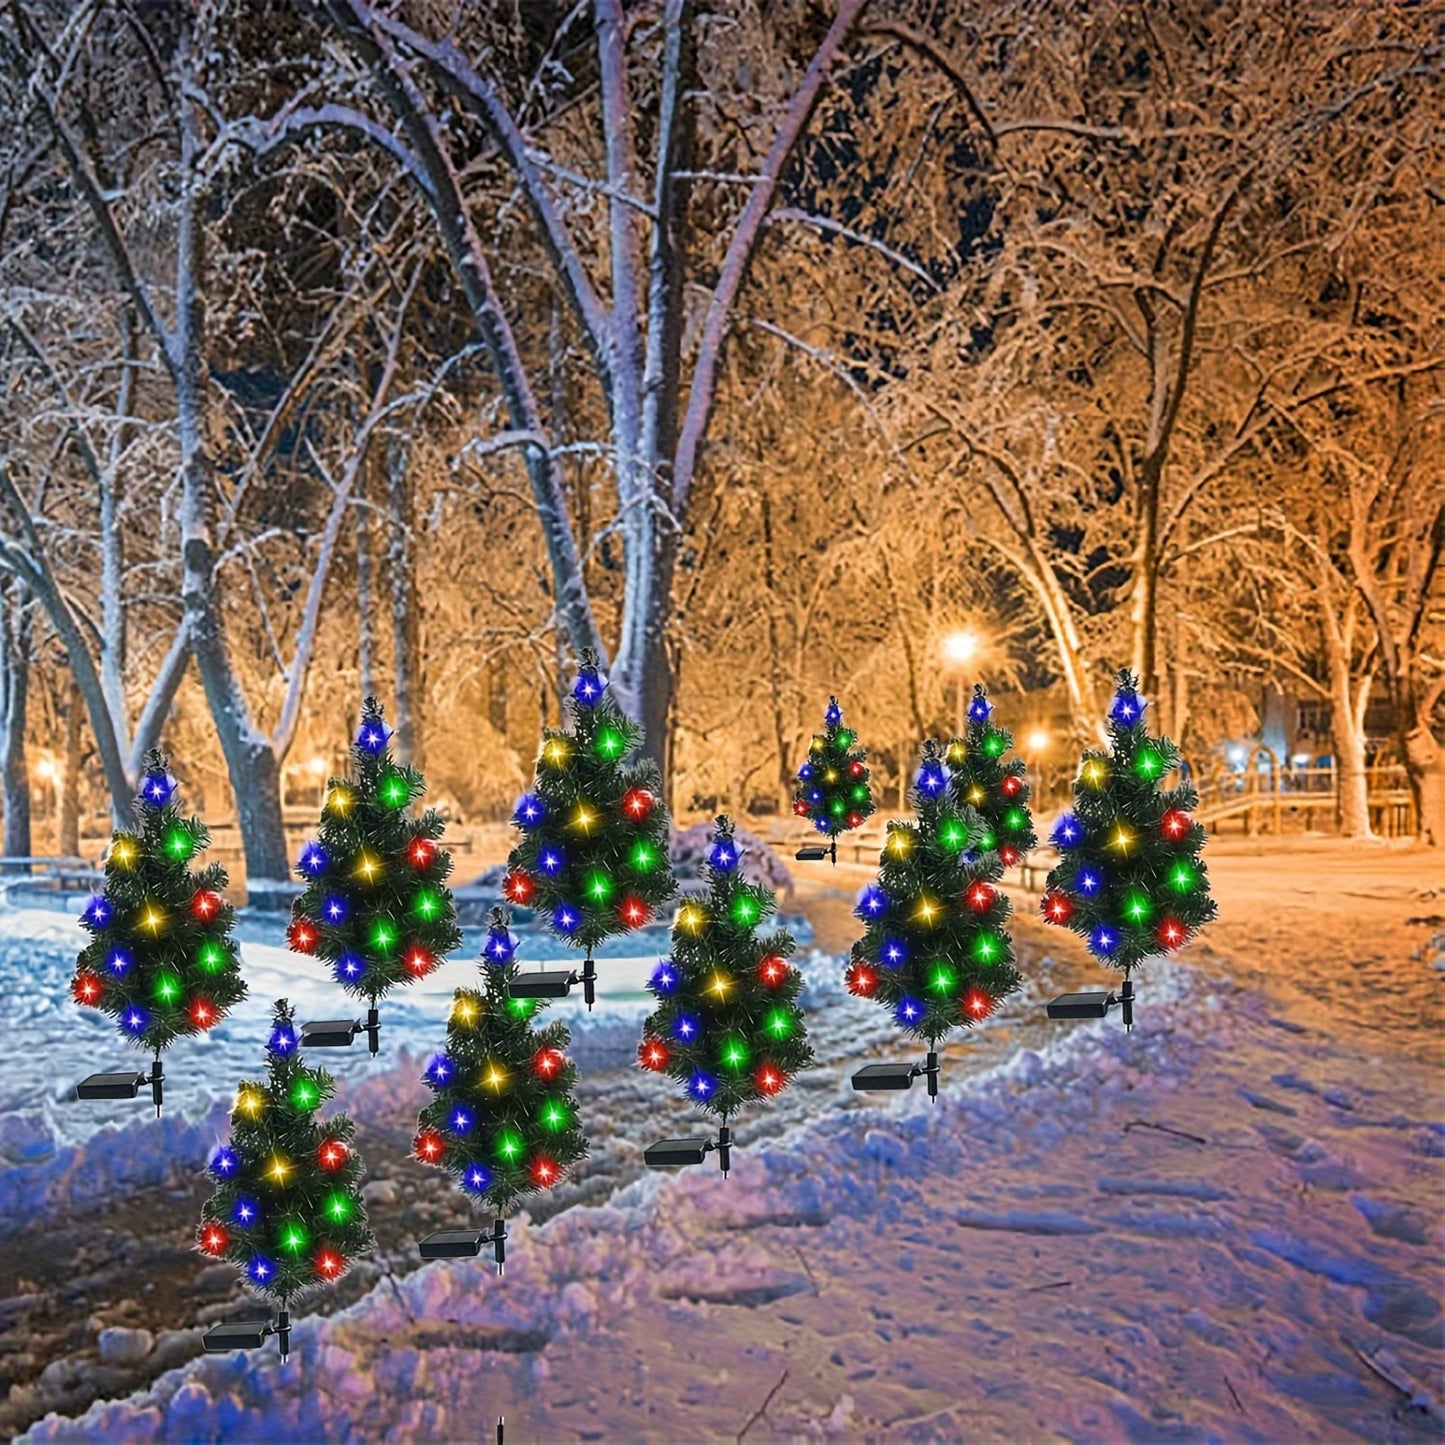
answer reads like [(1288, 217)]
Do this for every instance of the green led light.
[(1183, 878), (1137, 907), (1148, 764), (986, 947), (844, 738), (1014, 819), (210, 957), (837, 807), (521, 1008), (598, 886), (304, 1092), (779, 1023), (178, 844), (339, 1206), (167, 987), (293, 1237), (941, 980), (509, 1146), (953, 836), (554, 1116), (860, 792), (643, 857), (987, 840), (611, 743), (394, 791), (745, 910), (383, 936), (994, 745), (734, 1054), (427, 905)]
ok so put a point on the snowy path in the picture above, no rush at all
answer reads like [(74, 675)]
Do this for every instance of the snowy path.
[(1112, 1238)]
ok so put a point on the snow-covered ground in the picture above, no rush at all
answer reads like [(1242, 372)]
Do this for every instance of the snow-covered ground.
[(1226, 1225)]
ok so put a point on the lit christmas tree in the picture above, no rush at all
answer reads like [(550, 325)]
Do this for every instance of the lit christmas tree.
[(376, 906), (1130, 880), (995, 785), (833, 789), (592, 857), (287, 1209), (727, 1024), (936, 952), (161, 960), (504, 1121)]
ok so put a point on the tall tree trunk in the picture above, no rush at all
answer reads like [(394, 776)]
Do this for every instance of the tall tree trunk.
[(16, 697), (250, 761), (1425, 768), (365, 629), (405, 623), (1351, 776), (67, 827)]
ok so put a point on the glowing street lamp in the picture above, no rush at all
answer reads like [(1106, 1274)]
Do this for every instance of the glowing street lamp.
[(1036, 745), (960, 649)]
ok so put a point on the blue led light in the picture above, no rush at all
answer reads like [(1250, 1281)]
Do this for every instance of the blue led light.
[(371, 738), (665, 979), (530, 811), (119, 962), (282, 1041), (893, 953), (1089, 882), (134, 1020), (551, 860), (499, 947), (461, 1119), (476, 1178), (224, 1163), (908, 1011), (1103, 940), (245, 1212), (156, 789), (98, 912), (979, 709), (440, 1071), (261, 1270), (313, 861), (686, 1028), (566, 919), (872, 902), (349, 967), (931, 779), (724, 857), (589, 687), (335, 910), (1068, 832), (701, 1086)]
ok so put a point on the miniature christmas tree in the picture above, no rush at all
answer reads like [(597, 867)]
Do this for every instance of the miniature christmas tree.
[(833, 783), (994, 785), (503, 1122), (287, 1208), (161, 960), (1130, 880), (592, 857), (375, 906), (727, 1025), (936, 951)]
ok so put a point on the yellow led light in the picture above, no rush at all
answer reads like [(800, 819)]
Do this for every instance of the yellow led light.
[(928, 909), (831, 776), (250, 1101), (464, 1010), (495, 1078), (339, 801), (368, 865), (584, 818), (816, 746), (123, 851), (898, 843), (719, 984), (152, 919), (1122, 839), (1094, 773), (555, 752), (278, 1169), (957, 752), (976, 795)]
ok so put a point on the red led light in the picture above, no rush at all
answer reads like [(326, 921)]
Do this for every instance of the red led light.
[(421, 852), (800, 807), (633, 912), (205, 904), (1171, 932), (418, 961), (772, 971), (977, 1004), (329, 1264), (770, 1080), (854, 819), (637, 803), (545, 1171), (856, 769), (203, 1014), (980, 896), (861, 979), (1175, 825), (1057, 907), (301, 936), (653, 1054), (1009, 855), (87, 987), (548, 1063), (214, 1239), (1011, 786), (520, 887), (331, 1155), (430, 1146)]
